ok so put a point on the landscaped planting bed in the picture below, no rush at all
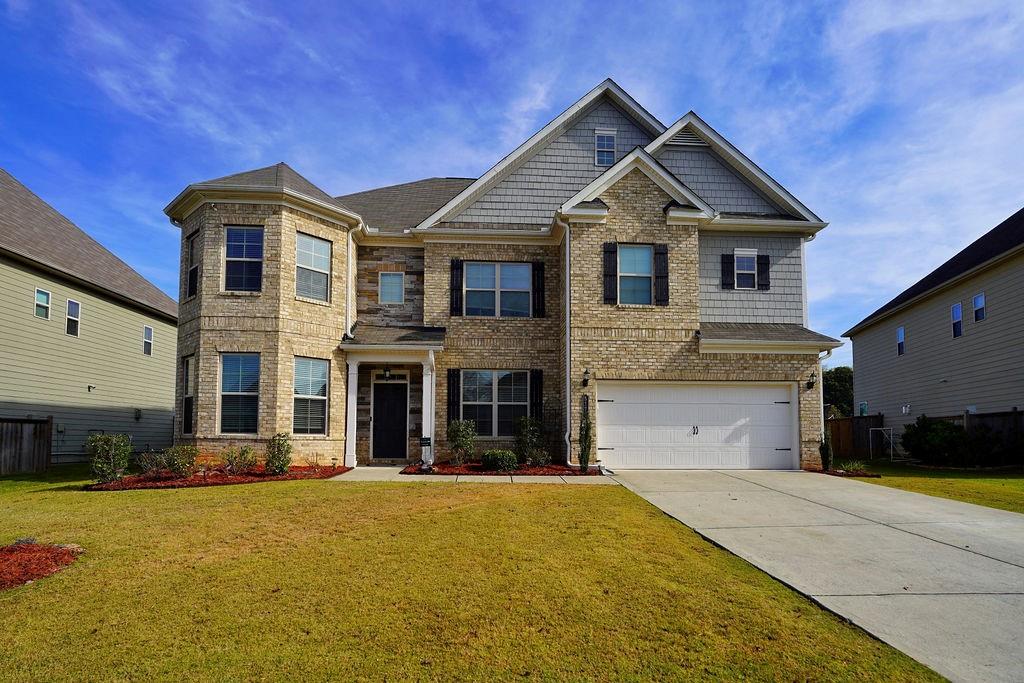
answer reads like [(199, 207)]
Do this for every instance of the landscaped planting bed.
[(166, 480), (26, 561), (528, 471)]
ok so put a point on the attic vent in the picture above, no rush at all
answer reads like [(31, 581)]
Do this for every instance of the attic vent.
[(686, 137)]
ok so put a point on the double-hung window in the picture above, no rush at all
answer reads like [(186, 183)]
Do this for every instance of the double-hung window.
[(192, 278), (239, 393), (956, 318), (900, 341), (604, 147), (243, 268), (498, 289), (73, 318), (495, 399), (391, 288), (979, 307), (42, 304), (147, 340), (188, 388), (636, 273), (310, 405), (312, 267), (746, 268)]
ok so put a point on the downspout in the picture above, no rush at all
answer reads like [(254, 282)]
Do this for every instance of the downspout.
[(568, 351), (821, 390)]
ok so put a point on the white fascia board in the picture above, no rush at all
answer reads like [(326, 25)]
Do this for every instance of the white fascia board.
[(608, 86), (721, 224), (412, 353), (585, 215), (640, 159), (683, 216), (738, 160), (194, 196), (756, 346)]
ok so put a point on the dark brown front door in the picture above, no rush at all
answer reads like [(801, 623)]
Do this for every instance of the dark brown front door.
[(390, 413)]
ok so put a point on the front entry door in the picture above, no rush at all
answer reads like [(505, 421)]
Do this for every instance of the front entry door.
[(390, 413)]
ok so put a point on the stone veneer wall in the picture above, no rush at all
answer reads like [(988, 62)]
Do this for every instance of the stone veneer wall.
[(374, 260), (657, 342), (274, 323)]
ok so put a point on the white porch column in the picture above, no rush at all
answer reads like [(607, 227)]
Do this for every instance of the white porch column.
[(352, 391), (428, 407)]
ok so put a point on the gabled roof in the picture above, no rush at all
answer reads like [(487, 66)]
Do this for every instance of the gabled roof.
[(764, 332), (1005, 238), (691, 123), (607, 88), (34, 231), (398, 207), (640, 159)]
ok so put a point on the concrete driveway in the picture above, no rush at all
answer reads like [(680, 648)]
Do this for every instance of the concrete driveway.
[(940, 580)]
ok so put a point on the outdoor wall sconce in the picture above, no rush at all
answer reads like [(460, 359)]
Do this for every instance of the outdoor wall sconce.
[(387, 373), (811, 380), (586, 377), (138, 414)]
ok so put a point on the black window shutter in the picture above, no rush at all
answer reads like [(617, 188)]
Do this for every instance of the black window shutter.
[(728, 272), (764, 278), (454, 391), (538, 289), (455, 288), (661, 274), (611, 272), (536, 393)]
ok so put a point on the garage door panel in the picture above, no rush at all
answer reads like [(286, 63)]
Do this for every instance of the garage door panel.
[(651, 426)]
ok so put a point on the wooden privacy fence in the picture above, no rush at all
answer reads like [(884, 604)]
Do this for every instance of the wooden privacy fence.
[(851, 436), (24, 444)]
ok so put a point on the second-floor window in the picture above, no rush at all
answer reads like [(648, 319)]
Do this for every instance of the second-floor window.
[(979, 307), (312, 267), (746, 268), (243, 268), (74, 318), (604, 147), (956, 317), (900, 341), (636, 273), (391, 288), (42, 304), (147, 340), (498, 289), (192, 277)]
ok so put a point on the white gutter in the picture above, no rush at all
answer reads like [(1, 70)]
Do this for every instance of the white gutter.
[(821, 389), (568, 351)]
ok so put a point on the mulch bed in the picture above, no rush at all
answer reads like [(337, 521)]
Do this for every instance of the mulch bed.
[(852, 473), (166, 480), (25, 562), (478, 468)]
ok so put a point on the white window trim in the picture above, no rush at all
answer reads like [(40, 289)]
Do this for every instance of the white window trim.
[(984, 307), (380, 279), (901, 338), (77, 318), (188, 388), (620, 273), (330, 262), (953, 320), (224, 276), (615, 142), (193, 265), (35, 302), (149, 341), (494, 399), (736, 267), (325, 399), (497, 289), (221, 393)]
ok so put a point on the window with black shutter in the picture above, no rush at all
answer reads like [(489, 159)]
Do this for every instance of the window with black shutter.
[(611, 272), (764, 280), (538, 289), (455, 288), (728, 271), (661, 274), (454, 393)]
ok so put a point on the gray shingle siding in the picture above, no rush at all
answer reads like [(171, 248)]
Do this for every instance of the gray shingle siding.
[(783, 303), (532, 192), (708, 176)]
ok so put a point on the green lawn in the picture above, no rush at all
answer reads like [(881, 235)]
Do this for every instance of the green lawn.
[(336, 581), (1001, 489)]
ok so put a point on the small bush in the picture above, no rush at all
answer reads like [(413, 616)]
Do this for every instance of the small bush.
[(935, 442), (529, 438), (181, 460), (825, 449), (461, 435), (500, 460), (150, 463), (586, 440), (239, 460), (852, 466), (279, 454), (108, 454)]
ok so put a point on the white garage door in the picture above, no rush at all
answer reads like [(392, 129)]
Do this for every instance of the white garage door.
[(696, 426)]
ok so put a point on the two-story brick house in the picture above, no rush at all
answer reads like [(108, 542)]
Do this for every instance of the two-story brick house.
[(650, 276)]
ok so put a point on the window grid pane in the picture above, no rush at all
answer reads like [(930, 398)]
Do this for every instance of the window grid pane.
[(243, 270), (392, 288), (495, 400), (240, 380)]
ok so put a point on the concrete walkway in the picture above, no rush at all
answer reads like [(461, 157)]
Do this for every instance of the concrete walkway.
[(941, 580), (374, 473)]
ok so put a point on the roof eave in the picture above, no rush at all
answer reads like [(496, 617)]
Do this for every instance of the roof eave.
[(763, 346), (197, 194)]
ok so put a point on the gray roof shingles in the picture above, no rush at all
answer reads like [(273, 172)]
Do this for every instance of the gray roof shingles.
[(280, 176), (391, 335), (34, 230), (770, 332), (398, 207)]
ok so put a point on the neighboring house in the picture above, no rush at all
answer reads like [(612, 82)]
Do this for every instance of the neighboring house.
[(950, 343), (651, 276), (83, 337)]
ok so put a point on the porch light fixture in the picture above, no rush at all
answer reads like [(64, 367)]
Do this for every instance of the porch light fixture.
[(387, 373), (812, 379), (586, 377)]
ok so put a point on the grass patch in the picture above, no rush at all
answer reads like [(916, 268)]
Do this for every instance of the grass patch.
[(995, 489), (328, 580)]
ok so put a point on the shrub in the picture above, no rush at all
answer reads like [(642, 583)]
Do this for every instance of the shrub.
[(825, 449), (108, 454), (150, 463), (500, 460), (279, 454), (461, 434), (530, 442), (239, 460), (935, 442), (586, 439), (852, 466), (181, 460)]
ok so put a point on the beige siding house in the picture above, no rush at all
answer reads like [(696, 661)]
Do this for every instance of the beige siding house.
[(83, 337), (951, 343), (648, 278)]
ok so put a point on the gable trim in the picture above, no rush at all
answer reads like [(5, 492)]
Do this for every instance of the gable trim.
[(739, 161), (607, 87)]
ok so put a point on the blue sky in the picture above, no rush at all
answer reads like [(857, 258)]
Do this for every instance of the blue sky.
[(902, 127)]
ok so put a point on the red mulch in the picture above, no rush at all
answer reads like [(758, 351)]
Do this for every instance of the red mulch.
[(165, 480), (478, 468), (852, 473), (21, 563)]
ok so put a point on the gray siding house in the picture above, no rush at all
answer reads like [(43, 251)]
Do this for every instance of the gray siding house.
[(951, 343), (83, 337)]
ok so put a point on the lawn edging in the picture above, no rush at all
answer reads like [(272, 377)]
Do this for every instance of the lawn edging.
[(135, 482)]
